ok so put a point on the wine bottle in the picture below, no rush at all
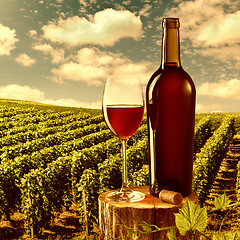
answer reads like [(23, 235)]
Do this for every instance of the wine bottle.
[(170, 96)]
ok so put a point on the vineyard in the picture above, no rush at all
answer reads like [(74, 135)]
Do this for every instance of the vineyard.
[(57, 160)]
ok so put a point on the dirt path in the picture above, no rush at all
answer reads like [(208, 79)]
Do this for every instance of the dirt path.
[(226, 182)]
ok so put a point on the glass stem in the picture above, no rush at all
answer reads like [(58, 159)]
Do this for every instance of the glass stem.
[(124, 165)]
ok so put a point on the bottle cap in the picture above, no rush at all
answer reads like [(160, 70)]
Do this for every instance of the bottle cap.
[(170, 23)]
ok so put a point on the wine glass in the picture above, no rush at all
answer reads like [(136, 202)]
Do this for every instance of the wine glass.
[(123, 109)]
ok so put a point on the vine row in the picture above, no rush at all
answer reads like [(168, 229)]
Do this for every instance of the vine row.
[(208, 161), (10, 152), (37, 132)]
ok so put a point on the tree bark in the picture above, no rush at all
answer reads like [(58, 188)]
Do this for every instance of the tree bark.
[(116, 218)]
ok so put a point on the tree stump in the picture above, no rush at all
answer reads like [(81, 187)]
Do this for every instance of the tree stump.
[(116, 218)]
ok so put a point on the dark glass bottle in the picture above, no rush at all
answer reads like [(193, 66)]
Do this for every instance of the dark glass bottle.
[(170, 101)]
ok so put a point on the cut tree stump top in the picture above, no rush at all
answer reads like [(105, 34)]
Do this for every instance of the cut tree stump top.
[(116, 218)]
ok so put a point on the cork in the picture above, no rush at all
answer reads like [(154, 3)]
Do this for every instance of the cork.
[(171, 197)]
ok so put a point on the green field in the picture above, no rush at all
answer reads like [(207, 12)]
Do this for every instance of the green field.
[(53, 159)]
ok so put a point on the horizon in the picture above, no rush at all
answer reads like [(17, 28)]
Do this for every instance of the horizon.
[(65, 106)]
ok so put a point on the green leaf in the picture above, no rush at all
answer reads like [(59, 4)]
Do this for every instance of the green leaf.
[(232, 236), (225, 236), (171, 234), (146, 227), (221, 202), (130, 232), (191, 218)]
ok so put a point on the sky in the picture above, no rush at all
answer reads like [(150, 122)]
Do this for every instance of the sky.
[(61, 51)]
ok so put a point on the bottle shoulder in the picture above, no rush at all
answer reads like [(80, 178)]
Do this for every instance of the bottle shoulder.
[(171, 77), (169, 73), (154, 76)]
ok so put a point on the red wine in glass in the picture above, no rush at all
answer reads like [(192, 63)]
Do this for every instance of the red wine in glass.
[(124, 120), (123, 109)]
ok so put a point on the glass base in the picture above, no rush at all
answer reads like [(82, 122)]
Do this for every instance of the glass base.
[(125, 196)]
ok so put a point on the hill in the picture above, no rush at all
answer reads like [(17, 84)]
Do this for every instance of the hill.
[(10, 103)]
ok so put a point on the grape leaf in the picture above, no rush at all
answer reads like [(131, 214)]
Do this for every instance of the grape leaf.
[(146, 227), (171, 234), (191, 217), (221, 202), (225, 236)]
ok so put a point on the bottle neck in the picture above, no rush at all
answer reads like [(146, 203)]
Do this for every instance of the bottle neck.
[(170, 47)]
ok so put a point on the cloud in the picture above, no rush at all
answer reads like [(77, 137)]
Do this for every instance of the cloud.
[(27, 93), (69, 102), (227, 89), (105, 28), (225, 31), (92, 66), (72, 71), (210, 24), (212, 107), (213, 26), (32, 33), (146, 10), (7, 40), (57, 55), (15, 91), (24, 60), (45, 48), (223, 53)]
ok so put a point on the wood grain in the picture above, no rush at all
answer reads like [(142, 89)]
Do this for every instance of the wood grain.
[(116, 218)]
